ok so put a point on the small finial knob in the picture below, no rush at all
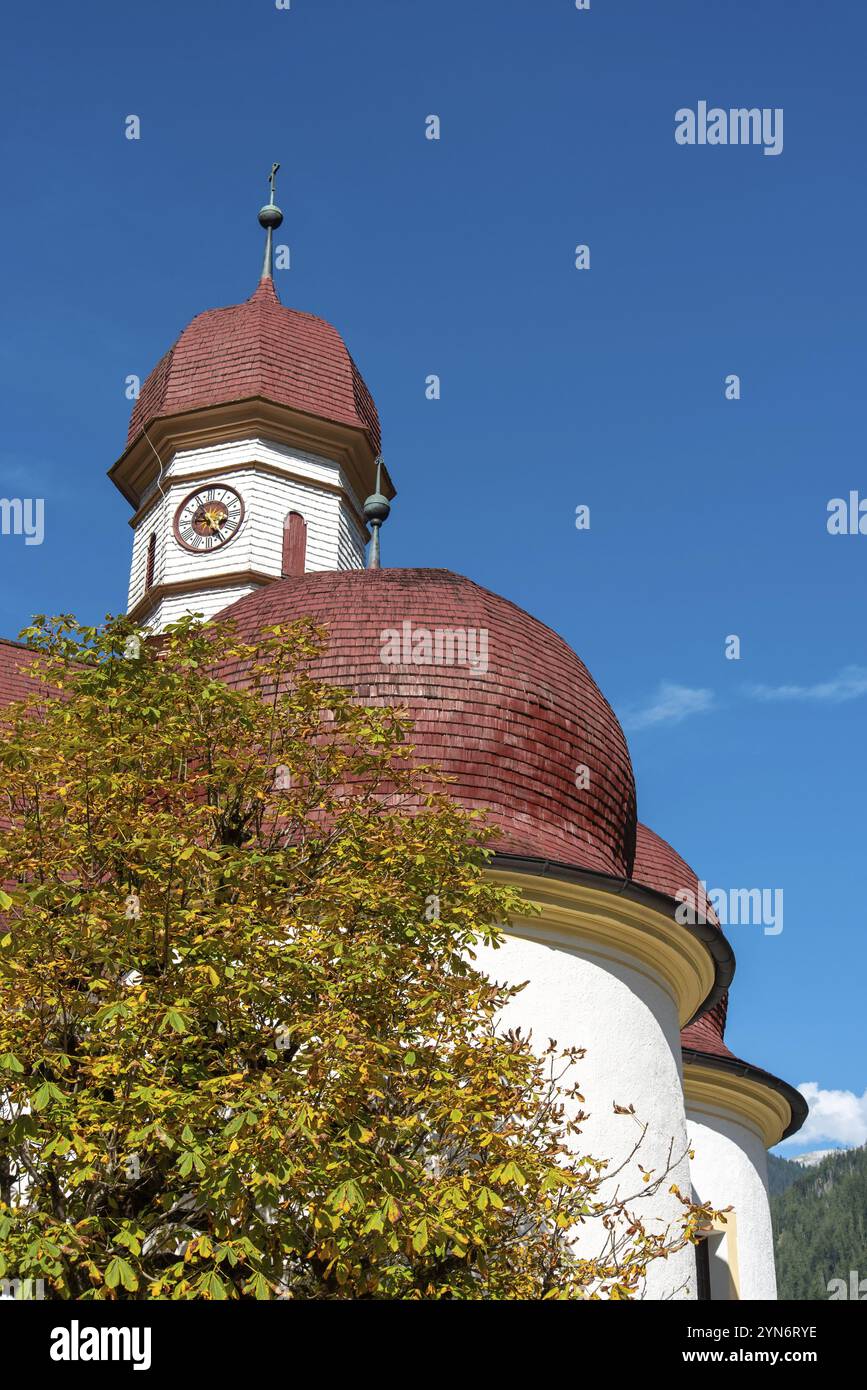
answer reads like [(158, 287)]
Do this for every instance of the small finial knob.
[(270, 217), (376, 510)]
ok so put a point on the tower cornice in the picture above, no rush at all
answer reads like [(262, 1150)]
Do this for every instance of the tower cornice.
[(139, 465), (231, 579)]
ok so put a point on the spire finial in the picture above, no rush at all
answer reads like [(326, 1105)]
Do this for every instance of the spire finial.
[(270, 217), (376, 510)]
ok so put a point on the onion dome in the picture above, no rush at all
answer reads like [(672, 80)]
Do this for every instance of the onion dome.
[(259, 349), (707, 1034), (254, 370), (497, 700), (703, 1043), (660, 867)]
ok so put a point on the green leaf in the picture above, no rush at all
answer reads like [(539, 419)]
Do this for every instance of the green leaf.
[(117, 1271), (212, 1285), (47, 1091)]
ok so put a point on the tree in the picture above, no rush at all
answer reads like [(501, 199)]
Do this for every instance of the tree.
[(244, 1050)]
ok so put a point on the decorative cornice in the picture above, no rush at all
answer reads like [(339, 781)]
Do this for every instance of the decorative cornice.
[(237, 420), (151, 597), (614, 926), (711, 1088), (708, 938)]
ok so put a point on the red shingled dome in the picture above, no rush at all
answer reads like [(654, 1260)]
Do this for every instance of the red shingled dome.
[(263, 349), (15, 661), (660, 867), (512, 735), (707, 1034), (703, 1043)]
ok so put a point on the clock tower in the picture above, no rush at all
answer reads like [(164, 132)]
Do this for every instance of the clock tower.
[(252, 447)]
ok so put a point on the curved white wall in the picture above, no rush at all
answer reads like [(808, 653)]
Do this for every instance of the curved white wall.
[(730, 1168), (628, 1023)]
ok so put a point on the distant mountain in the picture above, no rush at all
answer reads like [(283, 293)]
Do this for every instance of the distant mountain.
[(810, 1160), (820, 1222), (782, 1172)]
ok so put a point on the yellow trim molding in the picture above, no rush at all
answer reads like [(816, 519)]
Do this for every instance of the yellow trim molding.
[(731, 1096), (615, 927)]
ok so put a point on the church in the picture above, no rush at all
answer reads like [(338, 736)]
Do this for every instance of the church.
[(257, 488)]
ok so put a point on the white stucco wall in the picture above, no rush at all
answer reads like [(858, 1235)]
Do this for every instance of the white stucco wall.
[(730, 1168), (628, 1023), (287, 480)]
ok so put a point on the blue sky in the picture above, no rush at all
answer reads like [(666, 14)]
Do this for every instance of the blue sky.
[(603, 387)]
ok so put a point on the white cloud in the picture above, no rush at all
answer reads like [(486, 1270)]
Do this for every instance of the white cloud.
[(670, 705), (836, 1117), (851, 684)]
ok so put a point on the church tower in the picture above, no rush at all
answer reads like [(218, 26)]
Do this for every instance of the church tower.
[(254, 470), (251, 449)]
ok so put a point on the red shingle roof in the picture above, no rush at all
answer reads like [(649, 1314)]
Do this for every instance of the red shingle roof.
[(659, 866), (513, 736), (707, 1034), (703, 1043), (259, 348), (15, 660)]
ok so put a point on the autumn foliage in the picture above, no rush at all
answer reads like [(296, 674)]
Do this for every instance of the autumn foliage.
[(244, 1051)]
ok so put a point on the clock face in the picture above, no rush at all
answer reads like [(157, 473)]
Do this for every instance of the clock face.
[(209, 518)]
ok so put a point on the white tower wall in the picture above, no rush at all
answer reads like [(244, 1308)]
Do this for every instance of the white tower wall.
[(627, 1019), (730, 1168), (272, 480)]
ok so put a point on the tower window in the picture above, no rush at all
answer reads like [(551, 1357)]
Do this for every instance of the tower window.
[(294, 544), (716, 1263), (151, 560)]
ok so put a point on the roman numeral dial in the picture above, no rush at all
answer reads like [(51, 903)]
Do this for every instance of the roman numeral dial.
[(209, 518)]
